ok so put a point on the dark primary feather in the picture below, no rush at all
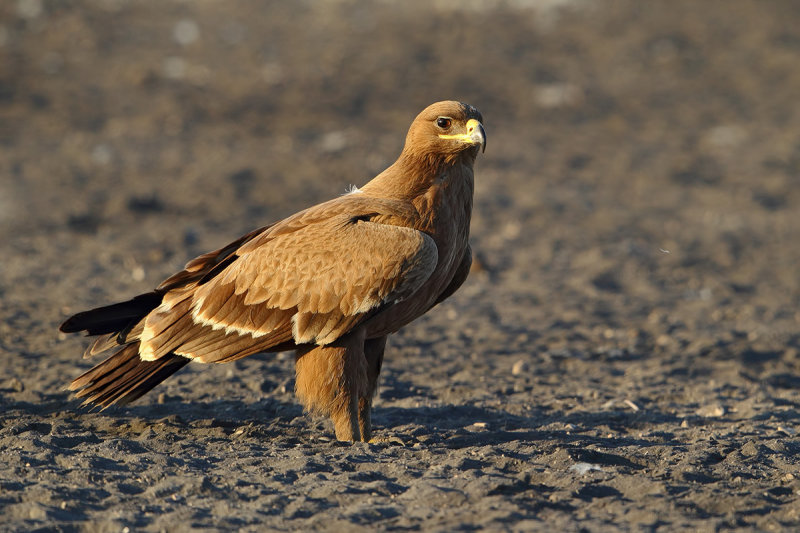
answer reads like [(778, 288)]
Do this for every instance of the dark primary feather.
[(112, 318)]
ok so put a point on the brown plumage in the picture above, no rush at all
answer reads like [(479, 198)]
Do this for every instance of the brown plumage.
[(330, 282)]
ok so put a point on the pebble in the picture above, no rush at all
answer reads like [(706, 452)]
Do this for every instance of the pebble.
[(14, 384), (584, 468), (185, 32), (710, 411), (520, 367), (751, 449), (29, 9)]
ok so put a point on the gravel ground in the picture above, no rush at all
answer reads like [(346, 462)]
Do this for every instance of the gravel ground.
[(624, 356)]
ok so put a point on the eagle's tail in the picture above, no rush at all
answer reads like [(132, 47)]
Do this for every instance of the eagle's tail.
[(124, 377)]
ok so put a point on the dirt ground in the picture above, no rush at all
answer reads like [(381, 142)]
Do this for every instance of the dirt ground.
[(625, 356)]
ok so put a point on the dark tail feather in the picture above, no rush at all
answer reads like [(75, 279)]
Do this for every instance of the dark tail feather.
[(113, 318), (124, 377)]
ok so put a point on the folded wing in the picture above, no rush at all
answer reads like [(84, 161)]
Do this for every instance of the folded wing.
[(307, 283)]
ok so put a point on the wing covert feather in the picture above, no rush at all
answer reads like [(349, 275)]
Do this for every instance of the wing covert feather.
[(325, 275)]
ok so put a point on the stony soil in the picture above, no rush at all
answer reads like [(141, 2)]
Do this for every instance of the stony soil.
[(624, 356)]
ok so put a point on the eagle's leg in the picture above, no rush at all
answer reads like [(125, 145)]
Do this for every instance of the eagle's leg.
[(331, 379), (373, 353)]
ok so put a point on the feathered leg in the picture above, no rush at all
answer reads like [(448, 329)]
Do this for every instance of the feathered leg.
[(373, 353), (331, 379)]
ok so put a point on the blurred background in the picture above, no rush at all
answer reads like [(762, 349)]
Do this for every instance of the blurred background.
[(639, 192)]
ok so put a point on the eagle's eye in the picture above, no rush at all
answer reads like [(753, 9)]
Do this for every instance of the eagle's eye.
[(443, 122)]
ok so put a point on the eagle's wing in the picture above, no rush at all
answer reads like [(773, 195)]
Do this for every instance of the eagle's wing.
[(305, 282)]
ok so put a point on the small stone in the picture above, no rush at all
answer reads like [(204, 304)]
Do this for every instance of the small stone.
[(663, 340), (520, 367), (632, 405), (29, 9), (584, 468), (185, 32), (334, 141), (174, 68), (37, 512), (555, 95), (15, 384), (138, 274), (101, 154), (710, 411), (751, 449)]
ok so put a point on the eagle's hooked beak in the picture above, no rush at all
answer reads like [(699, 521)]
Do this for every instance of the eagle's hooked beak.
[(475, 134)]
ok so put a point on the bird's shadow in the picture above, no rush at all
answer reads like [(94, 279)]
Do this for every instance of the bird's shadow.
[(460, 426)]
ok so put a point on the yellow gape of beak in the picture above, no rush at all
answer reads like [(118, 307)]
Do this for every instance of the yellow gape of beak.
[(475, 134)]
